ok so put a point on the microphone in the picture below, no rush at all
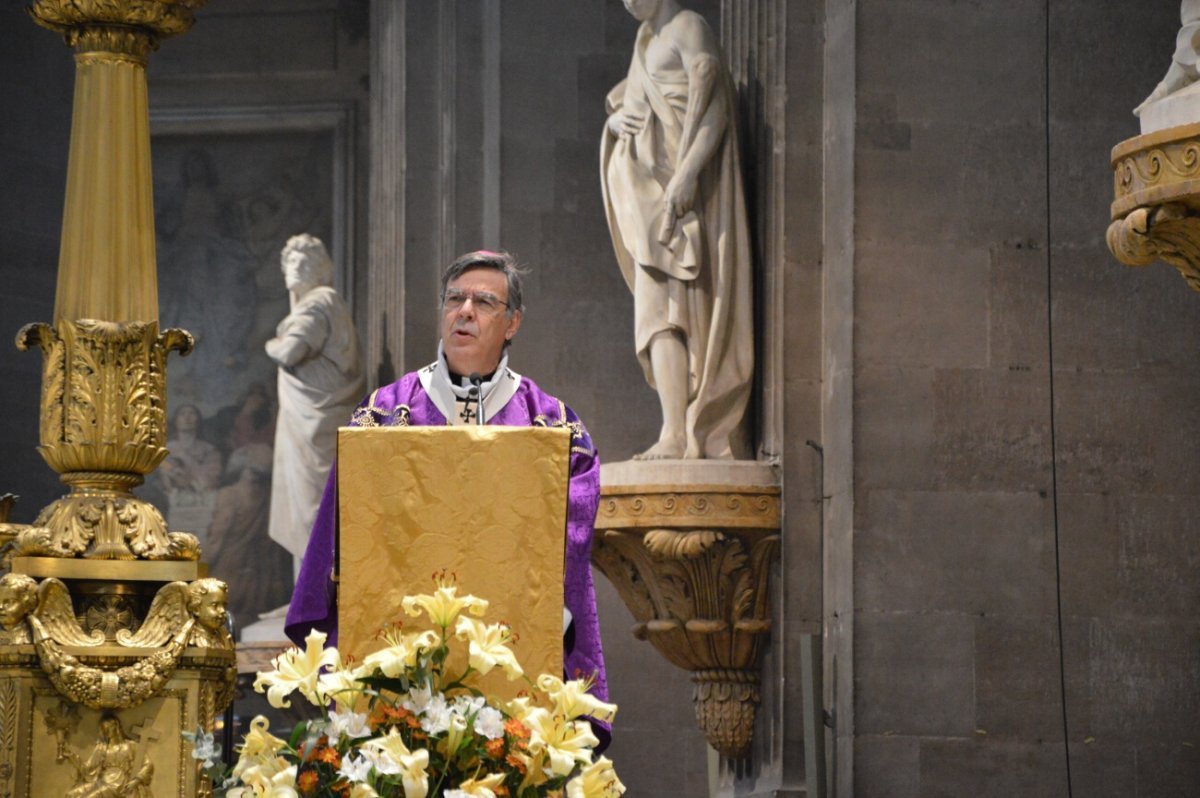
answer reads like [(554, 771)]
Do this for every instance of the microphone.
[(476, 392)]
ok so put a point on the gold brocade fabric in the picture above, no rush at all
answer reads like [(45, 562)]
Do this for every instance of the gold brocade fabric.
[(485, 503)]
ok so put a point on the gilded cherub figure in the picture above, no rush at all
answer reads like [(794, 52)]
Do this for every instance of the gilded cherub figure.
[(18, 598), (206, 601)]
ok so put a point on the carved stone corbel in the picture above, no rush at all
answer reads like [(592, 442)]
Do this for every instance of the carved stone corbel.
[(1156, 204), (692, 561)]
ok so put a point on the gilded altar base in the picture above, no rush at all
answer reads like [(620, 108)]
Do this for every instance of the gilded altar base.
[(50, 746), (689, 546), (113, 642)]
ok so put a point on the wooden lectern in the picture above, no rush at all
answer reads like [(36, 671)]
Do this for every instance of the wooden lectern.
[(487, 504)]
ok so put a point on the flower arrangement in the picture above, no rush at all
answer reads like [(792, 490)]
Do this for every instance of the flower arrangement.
[(403, 725)]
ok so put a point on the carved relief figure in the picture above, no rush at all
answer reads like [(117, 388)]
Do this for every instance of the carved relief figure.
[(240, 550), (112, 769), (320, 382), (18, 598), (1183, 71), (190, 474), (673, 194)]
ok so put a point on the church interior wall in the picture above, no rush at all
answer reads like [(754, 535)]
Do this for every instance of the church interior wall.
[(958, 460), (977, 446)]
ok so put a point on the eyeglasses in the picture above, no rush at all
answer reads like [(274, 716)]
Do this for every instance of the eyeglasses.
[(484, 302)]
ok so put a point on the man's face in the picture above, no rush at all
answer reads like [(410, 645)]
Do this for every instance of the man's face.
[(472, 336)]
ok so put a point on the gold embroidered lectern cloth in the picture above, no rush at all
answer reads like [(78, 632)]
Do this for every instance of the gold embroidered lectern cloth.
[(485, 503)]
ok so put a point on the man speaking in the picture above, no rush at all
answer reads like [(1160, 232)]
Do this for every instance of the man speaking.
[(481, 313)]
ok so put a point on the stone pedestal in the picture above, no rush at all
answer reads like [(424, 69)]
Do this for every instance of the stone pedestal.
[(1156, 200), (688, 544)]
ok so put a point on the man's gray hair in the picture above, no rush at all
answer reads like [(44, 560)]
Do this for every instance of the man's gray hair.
[(486, 259)]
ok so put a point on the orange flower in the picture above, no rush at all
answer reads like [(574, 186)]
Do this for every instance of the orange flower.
[(329, 755), (306, 782), (495, 748), (515, 763), (516, 728)]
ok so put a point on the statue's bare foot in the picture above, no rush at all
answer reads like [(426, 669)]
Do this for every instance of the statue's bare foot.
[(666, 449)]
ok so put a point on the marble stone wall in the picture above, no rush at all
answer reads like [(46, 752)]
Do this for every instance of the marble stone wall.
[(1015, 387)]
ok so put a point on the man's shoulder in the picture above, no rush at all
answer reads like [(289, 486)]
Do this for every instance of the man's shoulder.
[(547, 410), (401, 390)]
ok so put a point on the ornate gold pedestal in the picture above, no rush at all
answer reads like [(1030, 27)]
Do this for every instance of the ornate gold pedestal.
[(691, 561), (1156, 204), (112, 642)]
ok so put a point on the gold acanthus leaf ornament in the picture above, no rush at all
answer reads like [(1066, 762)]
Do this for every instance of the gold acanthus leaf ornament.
[(1170, 232), (161, 17), (676, 544)]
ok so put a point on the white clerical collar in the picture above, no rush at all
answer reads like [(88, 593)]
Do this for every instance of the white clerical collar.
[(497, 391)]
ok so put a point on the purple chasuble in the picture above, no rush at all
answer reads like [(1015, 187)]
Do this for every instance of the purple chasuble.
[(406, 403)]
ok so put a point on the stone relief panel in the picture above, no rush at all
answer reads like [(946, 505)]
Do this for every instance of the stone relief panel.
[(230, 189)]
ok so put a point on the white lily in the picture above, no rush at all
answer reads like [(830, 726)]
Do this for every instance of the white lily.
[(573, 700), (477, 788), (488, 646), (298, 670), (341, 686), (352, 724), (444, 605), (564, 741), (401, 652), (259, 748), (267, 782), (355, 770), (392, 756), (598, 780)]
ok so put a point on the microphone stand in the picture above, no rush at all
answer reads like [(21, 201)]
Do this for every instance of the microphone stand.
[(476, 391)]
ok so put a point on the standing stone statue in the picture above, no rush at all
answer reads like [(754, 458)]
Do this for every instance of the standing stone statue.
[(1183, 73), (673, 192), (320, 382)]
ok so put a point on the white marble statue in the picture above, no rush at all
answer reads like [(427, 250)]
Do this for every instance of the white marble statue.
[(673, 192), (320, 382), (1176, 99)]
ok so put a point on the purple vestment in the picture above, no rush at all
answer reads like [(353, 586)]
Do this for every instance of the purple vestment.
[(405, 402)]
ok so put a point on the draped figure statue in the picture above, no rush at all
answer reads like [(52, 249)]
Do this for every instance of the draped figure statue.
[(1185, 61), (320, 382), (672, 186)]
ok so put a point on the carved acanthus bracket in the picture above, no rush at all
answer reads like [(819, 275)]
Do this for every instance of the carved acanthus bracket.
[(1156, 201), (692, 563)]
